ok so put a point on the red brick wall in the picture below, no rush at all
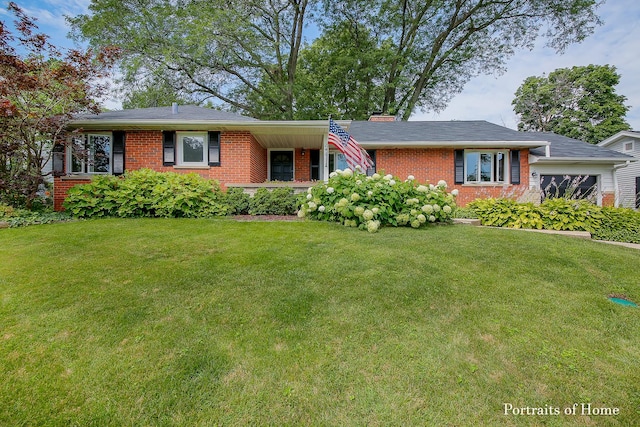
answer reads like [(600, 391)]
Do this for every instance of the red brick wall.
[(61, 187), (303, 165), (242, 160), (608, 199), (432, 165)]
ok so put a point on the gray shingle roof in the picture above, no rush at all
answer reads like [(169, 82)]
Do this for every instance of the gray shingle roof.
[(435, 131), (185, 112), (562, 146)]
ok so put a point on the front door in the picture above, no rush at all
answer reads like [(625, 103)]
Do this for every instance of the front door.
[(282, 166)]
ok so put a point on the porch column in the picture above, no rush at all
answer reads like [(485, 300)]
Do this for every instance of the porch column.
[(325, 158)]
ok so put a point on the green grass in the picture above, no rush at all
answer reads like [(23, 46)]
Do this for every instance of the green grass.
[(216, 322)]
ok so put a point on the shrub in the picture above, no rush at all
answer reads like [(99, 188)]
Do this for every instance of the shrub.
[(567, 214), (22, 217), (356, 200), (279, 201), (507, 213), (146, 193), (238, 201), (619, 225)]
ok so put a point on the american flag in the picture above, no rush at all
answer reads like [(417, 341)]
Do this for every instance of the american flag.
[(356, 155)]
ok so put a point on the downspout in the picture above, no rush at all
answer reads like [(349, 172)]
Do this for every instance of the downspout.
[(616, 198)]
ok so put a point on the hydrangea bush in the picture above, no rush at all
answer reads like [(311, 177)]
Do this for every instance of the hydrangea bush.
[(369, 202)]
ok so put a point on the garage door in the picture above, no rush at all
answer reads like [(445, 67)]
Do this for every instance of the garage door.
[(570, 186)]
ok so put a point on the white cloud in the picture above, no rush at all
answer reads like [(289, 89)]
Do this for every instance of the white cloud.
[(615, 43)]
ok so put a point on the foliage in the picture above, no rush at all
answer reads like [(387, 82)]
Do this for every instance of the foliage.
[(42, 88), (368, 202), (507, 213), (238, 201), (392, 56), (619, 225), (569, 214), (578, 102), (17, 217), (604, 223), (279, 201), (146, 193)]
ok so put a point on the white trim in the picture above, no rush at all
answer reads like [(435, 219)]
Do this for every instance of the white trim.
[(85, 146), (628, 150), (506, 171), (205, 149)]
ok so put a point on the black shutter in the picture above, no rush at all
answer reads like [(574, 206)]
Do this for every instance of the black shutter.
[(57, 159), (515, 166), (214, 148), (168, 148), (458, 158), (118, 153)]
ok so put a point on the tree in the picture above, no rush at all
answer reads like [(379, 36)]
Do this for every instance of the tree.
[(247, 54), (578, 102), (41, 91)]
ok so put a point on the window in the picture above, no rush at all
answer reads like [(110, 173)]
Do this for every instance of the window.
[(628, 146), (485, 167), (91, 154), (192, 149)]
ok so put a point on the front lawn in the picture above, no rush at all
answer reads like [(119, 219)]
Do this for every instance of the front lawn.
[(216, 322)]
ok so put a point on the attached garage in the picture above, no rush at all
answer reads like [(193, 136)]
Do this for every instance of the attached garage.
[(571, 186)]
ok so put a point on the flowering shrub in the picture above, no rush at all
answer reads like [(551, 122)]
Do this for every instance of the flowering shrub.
[(368, 202)]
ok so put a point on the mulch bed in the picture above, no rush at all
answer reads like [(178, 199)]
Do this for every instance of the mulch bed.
[(267, 218)]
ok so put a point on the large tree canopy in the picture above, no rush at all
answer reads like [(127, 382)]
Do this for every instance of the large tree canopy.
[(389, 55), (578, 102)]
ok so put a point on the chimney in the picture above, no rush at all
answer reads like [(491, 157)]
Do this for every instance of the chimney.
[(174, 108), (377, 116)]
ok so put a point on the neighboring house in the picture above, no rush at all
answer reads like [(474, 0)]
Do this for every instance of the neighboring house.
[(478, 158), (628, 177)]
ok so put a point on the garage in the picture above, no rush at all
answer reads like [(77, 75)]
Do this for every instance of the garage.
[(569, 186)]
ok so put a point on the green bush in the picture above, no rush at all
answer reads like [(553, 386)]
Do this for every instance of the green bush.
[(238, 201), (507, 213), (357, 200), (619, 225), (604, 223), (22, 217), (573, 215), (279, 201), (146, 193)]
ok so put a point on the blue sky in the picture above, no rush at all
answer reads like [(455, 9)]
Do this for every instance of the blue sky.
[(617, 43)]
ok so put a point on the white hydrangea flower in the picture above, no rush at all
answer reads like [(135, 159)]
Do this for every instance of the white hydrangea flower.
[(392, 182), (355, 197), (432, 187), (367, 215), (436, 207), (411, 178), (415, 223), (309, 197), (422, 189), (309, 190), (359, 210), (343, 202), (330, 190), (359, 182), (301, 213), (333, 174), (321, 208), (432, 218), (372, 226), (454, 192), (312, 206), (422, 219), (442, 183), (388, 176), (375, 176), (347, 172), (375, 211), (369, 193), (447, 209), (427, 209)]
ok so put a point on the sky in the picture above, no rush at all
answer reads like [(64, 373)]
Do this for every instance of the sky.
[(616, 42)]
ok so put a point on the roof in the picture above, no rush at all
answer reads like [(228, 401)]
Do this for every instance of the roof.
[(477, 133), (184, 113), (622, 134), (563, 148)]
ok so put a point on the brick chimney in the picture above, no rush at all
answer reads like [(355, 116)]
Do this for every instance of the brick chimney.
[(377, 116)]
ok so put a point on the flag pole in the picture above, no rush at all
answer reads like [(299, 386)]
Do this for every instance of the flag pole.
[(325, 150)]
